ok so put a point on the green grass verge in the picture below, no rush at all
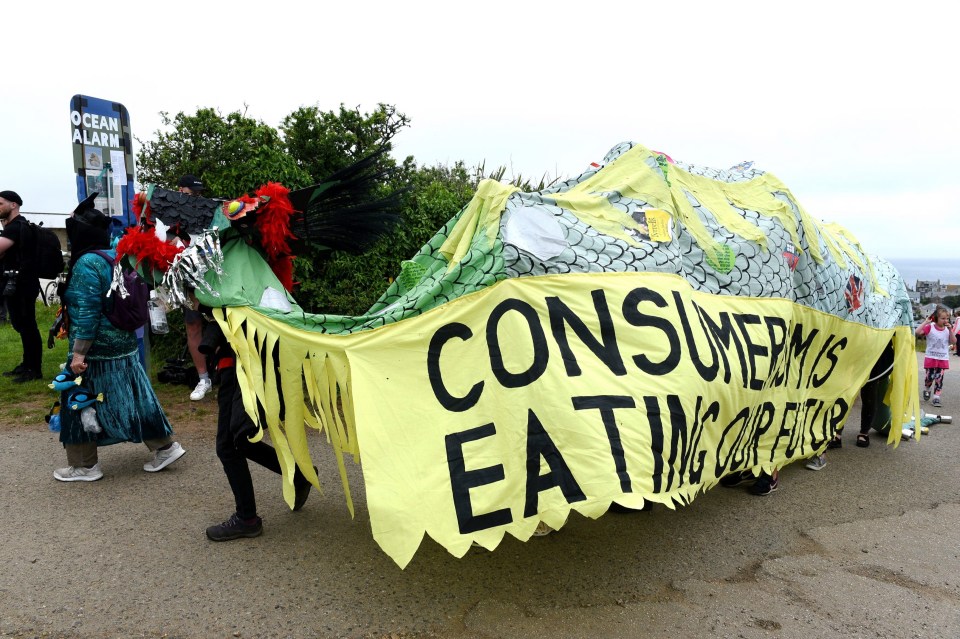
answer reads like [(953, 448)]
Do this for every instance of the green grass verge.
[(29, 402)]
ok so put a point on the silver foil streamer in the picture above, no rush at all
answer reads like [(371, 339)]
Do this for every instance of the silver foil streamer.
[(189, 268), (116, 285)]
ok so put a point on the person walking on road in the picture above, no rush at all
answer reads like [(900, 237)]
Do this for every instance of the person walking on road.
[(108, 361), (234, 448), (936, 360)]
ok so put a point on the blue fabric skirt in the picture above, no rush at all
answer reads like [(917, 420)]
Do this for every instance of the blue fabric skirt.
[(129, 412)]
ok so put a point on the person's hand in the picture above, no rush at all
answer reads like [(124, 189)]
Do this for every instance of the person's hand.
[(78, 365)]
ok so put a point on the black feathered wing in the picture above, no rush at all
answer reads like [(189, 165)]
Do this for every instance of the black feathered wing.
[(345, 212)]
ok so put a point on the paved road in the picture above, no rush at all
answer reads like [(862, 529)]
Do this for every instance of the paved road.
[(867, 547)]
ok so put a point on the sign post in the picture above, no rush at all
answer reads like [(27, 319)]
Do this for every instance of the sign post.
[(103, 161), (103, 154)]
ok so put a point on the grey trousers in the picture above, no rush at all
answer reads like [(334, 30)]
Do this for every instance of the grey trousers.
[(85, 455)]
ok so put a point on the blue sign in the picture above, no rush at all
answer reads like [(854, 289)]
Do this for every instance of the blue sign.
[(103, 155)]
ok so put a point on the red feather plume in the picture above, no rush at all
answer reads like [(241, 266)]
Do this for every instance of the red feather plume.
[(146, 249), (273, 225)]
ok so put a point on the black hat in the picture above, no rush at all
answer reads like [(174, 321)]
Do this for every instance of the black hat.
[(93, 217), (11, 196), (86, 203), (191, 182)]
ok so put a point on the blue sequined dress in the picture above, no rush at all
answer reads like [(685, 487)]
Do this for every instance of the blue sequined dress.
[(130, 411)]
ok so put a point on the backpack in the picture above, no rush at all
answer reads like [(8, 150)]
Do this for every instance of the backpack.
[(48, 258), (131, 312)]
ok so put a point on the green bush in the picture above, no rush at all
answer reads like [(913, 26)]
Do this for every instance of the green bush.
[(235, 154)]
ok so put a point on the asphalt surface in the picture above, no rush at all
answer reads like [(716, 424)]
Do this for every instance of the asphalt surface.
[(867, 547)]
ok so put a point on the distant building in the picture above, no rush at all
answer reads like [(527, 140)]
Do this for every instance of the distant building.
[(927, 310), (928, 288), (935, 291)]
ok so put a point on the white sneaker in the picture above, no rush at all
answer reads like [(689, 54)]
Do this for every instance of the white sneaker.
[(817, 463), (203, 387), (542, 530), (163, 458), (78, 473)]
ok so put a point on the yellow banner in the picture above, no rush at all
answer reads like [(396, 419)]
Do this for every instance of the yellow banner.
[(540, 395)]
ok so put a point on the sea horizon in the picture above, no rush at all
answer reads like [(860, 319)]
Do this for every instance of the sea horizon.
[(946, 270)]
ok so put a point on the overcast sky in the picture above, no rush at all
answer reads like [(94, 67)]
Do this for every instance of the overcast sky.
[(851, 105)]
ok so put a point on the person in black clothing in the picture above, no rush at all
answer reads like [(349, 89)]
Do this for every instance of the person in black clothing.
[(21, 285), (234, 448)]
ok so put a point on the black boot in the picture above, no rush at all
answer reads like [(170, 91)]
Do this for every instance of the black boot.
[(18, 370), (28, 375)]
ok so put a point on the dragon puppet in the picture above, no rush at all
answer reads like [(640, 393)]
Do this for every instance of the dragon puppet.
[(631, 335)]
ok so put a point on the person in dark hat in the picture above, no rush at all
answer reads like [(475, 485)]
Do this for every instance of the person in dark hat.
[(107, 359), (193, 322), (190, 185), (20, 285)]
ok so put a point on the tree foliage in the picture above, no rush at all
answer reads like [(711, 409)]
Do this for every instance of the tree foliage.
[(232, 155), (322, 142), (235, 154), (349, 284)]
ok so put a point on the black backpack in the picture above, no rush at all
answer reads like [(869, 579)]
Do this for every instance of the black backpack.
[(47, 261), (131, 312)]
